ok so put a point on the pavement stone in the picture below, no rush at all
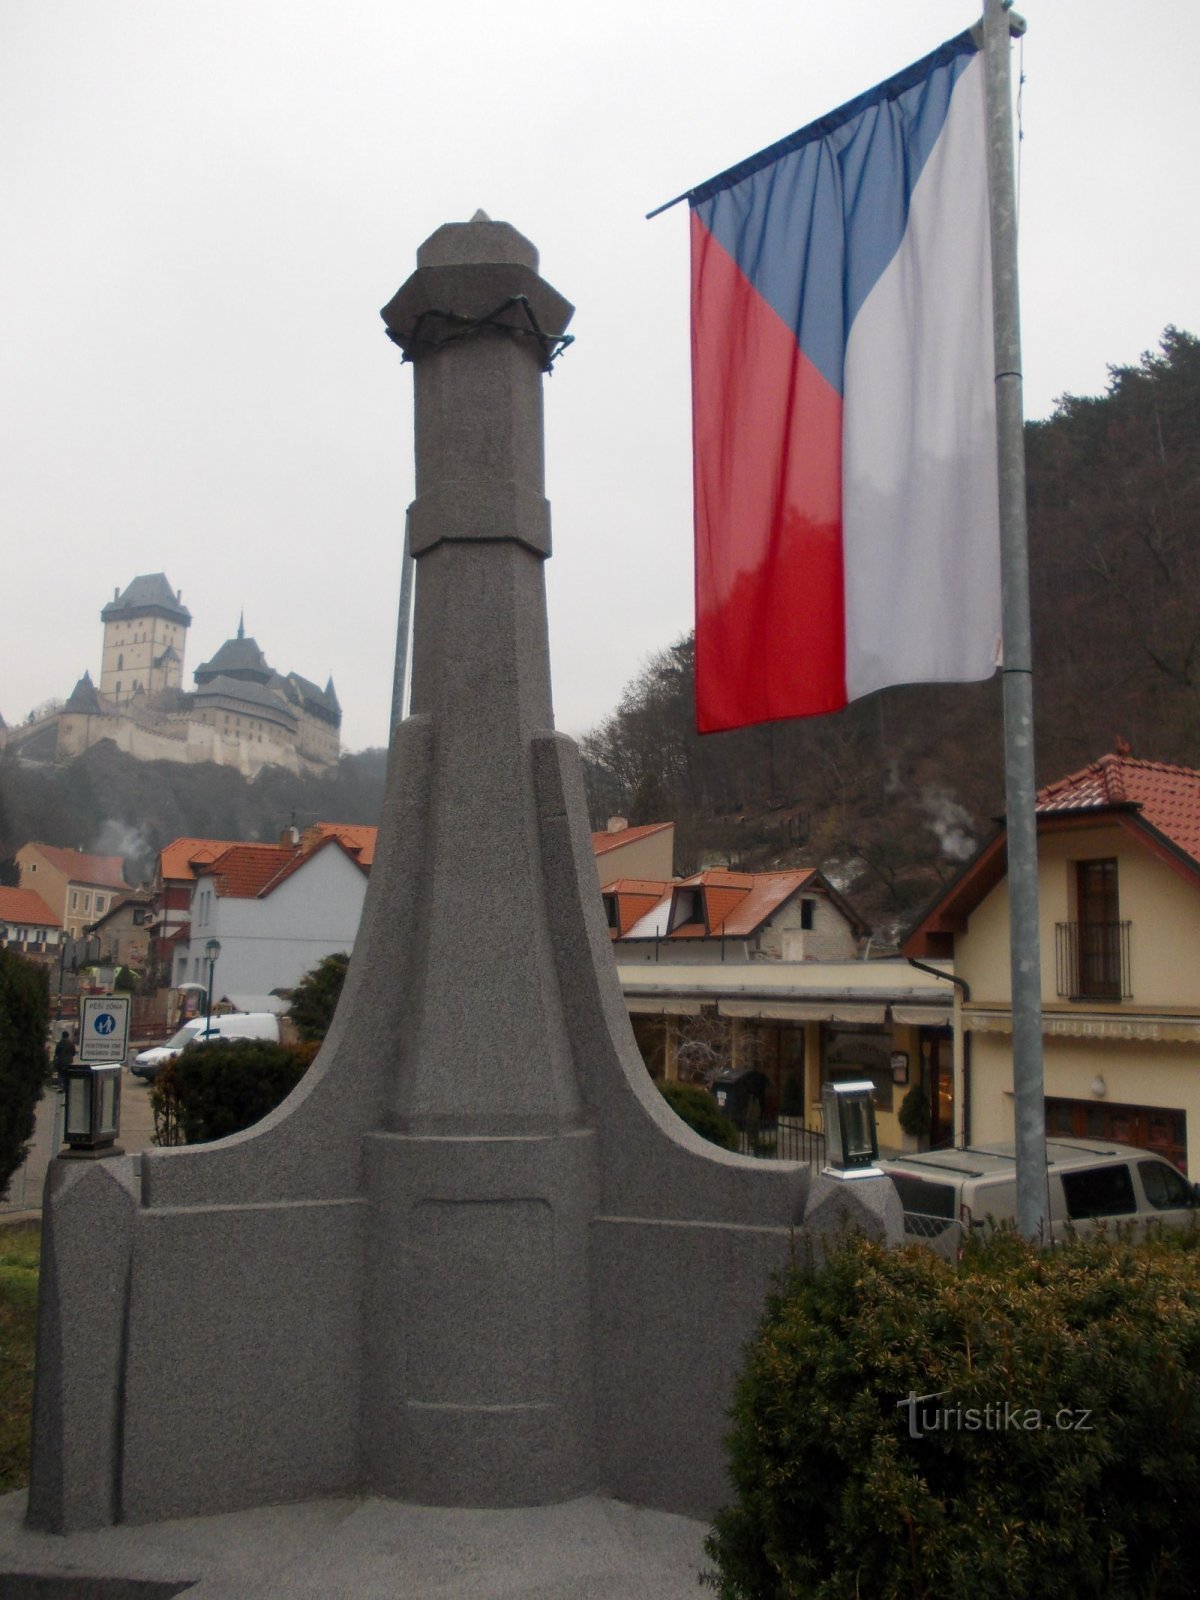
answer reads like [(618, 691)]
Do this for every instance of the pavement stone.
[(366, 1548)]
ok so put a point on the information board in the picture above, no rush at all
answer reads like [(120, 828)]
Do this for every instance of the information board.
[(103, 1028)]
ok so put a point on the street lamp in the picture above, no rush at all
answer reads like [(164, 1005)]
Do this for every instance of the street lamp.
[(851, 1144), (212, 950)]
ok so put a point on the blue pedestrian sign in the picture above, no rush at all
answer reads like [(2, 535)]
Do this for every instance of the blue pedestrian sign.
[(103, 1028)]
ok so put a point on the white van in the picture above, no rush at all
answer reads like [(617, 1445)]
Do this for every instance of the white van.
[(200, 1030), (1090, 1183)]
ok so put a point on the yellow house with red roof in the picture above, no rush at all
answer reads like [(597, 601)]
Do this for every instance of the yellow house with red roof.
[(1119, 931), (77, 887)]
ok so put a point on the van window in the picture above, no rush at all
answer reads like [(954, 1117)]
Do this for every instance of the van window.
[(918, 1194), (1164, 1187), (1099, 1192)]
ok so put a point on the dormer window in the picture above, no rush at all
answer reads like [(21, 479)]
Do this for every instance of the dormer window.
[(687, 907)]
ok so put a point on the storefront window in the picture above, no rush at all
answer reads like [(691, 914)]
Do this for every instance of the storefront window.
[(849, 1051)]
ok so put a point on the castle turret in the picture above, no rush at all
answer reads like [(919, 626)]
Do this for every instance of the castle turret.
[(145, 635)]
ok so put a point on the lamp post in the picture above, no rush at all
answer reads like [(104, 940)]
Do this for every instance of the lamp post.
[(212, 950)]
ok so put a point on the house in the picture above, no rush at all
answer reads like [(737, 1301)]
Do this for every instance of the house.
[(764, 972), (275, 910), (174, 879), (645, 851), (719, 915), (28, 927), (123, 933), (76, 886), (1119, 927)]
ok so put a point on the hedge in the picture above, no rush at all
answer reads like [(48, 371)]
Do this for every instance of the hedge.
[(700, 1111), (24, 1065), (212, 1090), (1059, 1457)]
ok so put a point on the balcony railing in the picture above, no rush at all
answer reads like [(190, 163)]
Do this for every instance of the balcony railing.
[(1092, 960)]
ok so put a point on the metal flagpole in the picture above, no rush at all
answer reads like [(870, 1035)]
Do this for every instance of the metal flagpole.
[(403, 629), (1029, 1113)]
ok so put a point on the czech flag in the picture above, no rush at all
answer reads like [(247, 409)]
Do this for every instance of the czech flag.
[(844, 427)]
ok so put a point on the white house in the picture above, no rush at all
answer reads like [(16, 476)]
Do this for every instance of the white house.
[(275, 911)]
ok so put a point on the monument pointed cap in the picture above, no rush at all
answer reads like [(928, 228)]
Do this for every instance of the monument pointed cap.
[(477, 271), (477, 242)]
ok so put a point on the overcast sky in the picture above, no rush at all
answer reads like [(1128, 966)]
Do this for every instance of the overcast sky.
[(204, 203)]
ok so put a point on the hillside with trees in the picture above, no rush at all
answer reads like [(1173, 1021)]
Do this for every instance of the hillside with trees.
[(108, 802), (893, 793), (896, 791)]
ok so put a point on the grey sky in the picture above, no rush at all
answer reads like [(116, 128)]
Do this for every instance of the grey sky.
[(205, 202)]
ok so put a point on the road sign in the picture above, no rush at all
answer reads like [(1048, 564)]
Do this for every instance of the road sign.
[(104, 1028)]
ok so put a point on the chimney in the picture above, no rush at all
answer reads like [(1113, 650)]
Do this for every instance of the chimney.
[(289, 838), (617, 824)]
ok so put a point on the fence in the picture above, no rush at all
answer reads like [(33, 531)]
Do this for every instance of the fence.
[(786, 1139)]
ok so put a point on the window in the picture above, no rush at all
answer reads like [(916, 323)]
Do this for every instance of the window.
[(807, 907), (74, 900), (1099, 1192), (1164, 1187), (101, 902), (120, 663), (1099, 928)]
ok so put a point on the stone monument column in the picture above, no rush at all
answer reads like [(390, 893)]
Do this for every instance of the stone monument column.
[(473, 1259), (483, 1182)]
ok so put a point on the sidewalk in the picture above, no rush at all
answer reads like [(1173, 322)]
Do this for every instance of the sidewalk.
[(362, 1548), (24, 1197)]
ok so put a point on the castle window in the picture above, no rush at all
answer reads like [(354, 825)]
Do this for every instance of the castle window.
[(120, 663)]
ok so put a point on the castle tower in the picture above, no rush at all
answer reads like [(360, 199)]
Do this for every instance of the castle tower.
[(145, 634)]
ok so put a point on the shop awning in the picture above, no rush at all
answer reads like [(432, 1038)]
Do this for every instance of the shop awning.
[(768, 1010), (661, 1006), (923, 1016)]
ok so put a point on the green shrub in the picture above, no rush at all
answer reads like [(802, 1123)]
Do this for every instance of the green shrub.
[(24, 1020), (836, 1497), (914, 1114), (316, 996), (701, 1112), (220, 1088)]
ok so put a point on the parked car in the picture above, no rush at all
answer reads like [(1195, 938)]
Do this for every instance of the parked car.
[(1090, 1184), (201, 1030)]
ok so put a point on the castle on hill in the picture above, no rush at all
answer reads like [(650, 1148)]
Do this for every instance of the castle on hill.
[(241, 713)]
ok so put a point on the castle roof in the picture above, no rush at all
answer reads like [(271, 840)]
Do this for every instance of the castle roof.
[(85, 698), (247, 692), (237, 657), (150, 592)]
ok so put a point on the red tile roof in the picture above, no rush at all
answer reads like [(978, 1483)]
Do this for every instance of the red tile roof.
[(27, 908), (356, 838), (99, 872), (244, 870), (604, 841), (249, 871), (1165, 796), (298, 858), (1157, 802), (733, 904), (634, 898), (178, 859)]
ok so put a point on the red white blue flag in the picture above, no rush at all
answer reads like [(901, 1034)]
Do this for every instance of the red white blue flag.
[(847, 522)]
